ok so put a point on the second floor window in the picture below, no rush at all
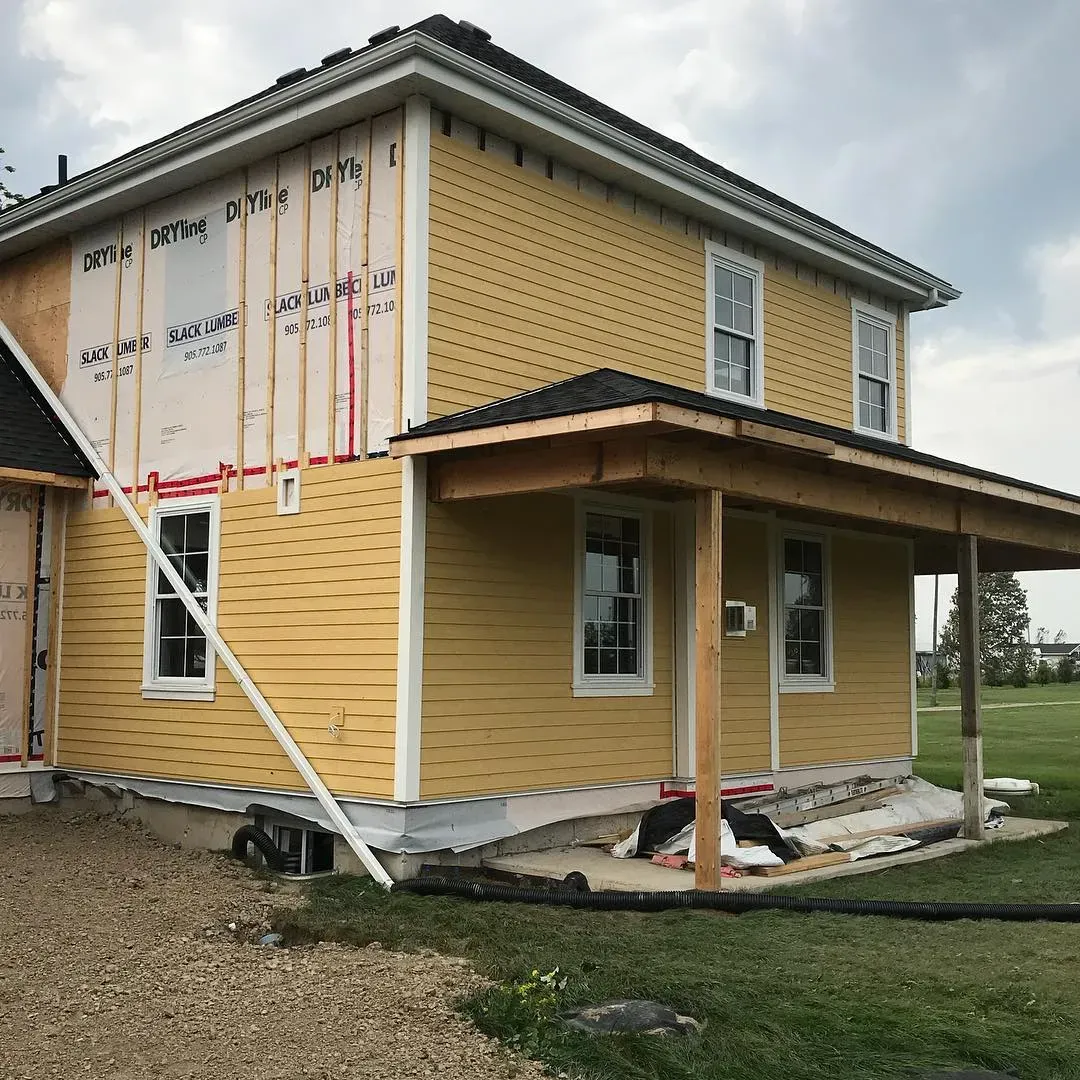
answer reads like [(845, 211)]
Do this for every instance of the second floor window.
[(734, 325), (874, 345)]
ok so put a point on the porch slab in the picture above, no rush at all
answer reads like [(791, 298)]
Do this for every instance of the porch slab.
[(640, 875)]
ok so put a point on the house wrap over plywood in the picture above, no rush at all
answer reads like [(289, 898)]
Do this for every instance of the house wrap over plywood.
[(533, 465)]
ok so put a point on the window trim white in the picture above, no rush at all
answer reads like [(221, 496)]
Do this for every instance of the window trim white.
[(861, 312), (642, 684), (158, 689), (804, 684), (744, 264)]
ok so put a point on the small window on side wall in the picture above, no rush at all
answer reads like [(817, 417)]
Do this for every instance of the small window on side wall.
[(178, 661), (612, 642), (734, 326), (873, 336), (806, 622)]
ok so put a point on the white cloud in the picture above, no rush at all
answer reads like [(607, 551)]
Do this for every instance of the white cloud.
[(1002, 402)]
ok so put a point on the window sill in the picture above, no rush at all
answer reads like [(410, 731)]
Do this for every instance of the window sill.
[(177, 693), (873, 433), (636, 689), (742, 399), (807, 688)]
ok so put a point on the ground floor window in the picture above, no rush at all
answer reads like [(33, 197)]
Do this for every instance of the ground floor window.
[(178, 660), (805, 624), (611, 632)]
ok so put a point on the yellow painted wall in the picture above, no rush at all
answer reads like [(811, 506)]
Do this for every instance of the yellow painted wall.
[(498, 709), (309, 604), (869, 713), (744, 662), (533, 281)]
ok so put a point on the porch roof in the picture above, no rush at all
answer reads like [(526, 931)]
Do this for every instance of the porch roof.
[(620, 431), (34, 447)]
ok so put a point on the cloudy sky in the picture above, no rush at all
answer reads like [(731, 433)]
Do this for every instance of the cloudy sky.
[(945, 130)]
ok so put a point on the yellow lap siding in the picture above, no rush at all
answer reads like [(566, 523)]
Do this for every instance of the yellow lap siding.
[(309, 604), (744, 662), (498, 708), (868, 715), (532, 281)]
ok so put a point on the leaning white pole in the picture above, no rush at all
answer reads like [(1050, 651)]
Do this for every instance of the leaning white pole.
[(228, 657)]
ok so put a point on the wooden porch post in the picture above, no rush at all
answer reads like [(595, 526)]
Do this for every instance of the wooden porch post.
[(707, 569), (967, 607)]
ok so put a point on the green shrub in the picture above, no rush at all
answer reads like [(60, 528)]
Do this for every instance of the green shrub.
[(1043, 675)]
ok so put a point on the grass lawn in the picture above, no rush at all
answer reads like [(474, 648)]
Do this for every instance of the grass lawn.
[(796, 997), (997, 695)]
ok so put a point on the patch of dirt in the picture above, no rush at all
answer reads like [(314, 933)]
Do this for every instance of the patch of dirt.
[(117, 962)]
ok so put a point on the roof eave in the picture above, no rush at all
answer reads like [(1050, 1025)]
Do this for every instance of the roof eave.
[(413, 62), (374, 80)]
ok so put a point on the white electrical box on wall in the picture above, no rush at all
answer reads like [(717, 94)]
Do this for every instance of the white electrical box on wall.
[(738, 618), (288, 492)]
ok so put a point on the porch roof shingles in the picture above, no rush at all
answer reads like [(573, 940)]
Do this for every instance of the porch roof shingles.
[(606, 388), (31, 437)]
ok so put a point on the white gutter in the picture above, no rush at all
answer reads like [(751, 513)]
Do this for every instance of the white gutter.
[(228, 657), (414, 58)]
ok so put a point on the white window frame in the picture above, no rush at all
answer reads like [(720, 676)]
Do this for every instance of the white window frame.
[(805, 684), (886, 320), (172, 689), (718, 255), (640, 685)]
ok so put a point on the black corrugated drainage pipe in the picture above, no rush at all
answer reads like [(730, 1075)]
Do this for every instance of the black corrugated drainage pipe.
[(274, 856), (735, 903)]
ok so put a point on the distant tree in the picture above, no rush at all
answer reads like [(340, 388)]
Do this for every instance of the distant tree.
[(1066, 671), (7, 196), (944, 678), (1040, 635), (1060, 638), (1004, 622), (1043, 674)]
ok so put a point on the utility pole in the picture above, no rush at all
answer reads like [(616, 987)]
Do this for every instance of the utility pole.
[(933, 648)]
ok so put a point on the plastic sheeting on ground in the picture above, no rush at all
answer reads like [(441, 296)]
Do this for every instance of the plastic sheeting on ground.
[(920, 802)]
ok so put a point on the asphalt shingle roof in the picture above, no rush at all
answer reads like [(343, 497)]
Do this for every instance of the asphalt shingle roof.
[(610, 389), (31, 437)]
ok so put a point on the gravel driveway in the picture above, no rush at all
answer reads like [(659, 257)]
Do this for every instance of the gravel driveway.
[(116, 963)]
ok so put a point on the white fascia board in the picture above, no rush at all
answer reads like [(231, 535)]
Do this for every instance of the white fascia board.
[(383, 77)]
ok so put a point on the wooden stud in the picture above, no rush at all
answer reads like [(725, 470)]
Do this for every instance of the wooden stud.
[(56, 582), (967, 609), (331, 403), (707, 576), (362, 376), (271, 352), (137, 374), (151, 488), (29, 650), (114, 371), (241, 337), (399, 327), (305, 286)]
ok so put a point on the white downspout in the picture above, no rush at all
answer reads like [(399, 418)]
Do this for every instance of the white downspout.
[(228, 657)]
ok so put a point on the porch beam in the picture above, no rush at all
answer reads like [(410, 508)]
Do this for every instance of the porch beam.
[(967, 608), (707, 575), (520, 471), (49, 479)]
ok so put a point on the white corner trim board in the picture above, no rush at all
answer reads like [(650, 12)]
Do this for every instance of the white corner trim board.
[(221, 648)]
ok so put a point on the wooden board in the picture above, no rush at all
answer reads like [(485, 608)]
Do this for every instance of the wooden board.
[(809, 862), (892, 830)]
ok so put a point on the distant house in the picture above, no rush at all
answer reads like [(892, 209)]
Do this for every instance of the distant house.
[(924, 663), (1054, 651)]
